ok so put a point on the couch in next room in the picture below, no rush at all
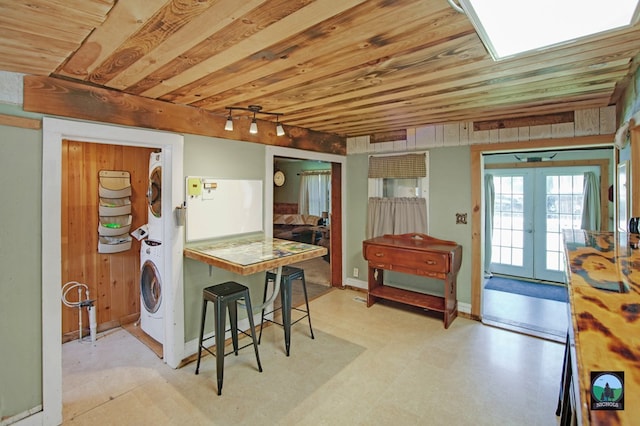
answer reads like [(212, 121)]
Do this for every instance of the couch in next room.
[(297, 227)]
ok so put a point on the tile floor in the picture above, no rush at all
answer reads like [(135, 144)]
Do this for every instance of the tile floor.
[(367, 366)]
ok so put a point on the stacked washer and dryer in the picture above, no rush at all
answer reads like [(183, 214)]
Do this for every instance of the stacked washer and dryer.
[(151, 259)]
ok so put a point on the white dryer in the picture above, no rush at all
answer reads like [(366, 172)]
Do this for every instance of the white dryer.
[(151, 306), (154, 197)]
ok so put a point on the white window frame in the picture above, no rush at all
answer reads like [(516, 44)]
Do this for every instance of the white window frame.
[(375, 185)]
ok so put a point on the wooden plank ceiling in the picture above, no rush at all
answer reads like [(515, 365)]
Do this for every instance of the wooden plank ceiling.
[(347, 67)]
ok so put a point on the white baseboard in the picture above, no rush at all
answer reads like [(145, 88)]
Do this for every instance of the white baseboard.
[(464, 308), (357, 283), (34, 416)]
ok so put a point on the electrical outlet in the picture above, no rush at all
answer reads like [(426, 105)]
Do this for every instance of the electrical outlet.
[(355, 272)]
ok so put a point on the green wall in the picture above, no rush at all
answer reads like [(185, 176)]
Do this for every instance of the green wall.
[(20, 263), (288, 193), (222, 158), (449, 193), (355, 218)]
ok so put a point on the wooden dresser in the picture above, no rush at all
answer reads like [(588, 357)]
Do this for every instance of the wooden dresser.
[(416, 254)]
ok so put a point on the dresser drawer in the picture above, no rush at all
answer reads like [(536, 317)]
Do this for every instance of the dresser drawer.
[(384, 257)]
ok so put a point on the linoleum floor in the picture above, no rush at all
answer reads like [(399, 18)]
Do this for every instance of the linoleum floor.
[(381, 365), (538, 317)]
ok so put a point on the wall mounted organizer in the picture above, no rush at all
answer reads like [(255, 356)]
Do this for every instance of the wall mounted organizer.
[(114, 211)]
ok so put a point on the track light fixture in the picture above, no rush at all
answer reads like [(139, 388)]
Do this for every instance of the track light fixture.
[(253, 128), (229, 124), (279, 128)]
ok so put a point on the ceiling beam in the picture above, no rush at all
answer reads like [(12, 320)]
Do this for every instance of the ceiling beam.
[(59, 97)]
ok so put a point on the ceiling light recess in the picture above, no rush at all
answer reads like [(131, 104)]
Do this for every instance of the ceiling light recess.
[(253, 127), (509, 28)]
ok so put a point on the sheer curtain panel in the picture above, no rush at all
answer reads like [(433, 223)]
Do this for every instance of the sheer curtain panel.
[(315, 193), (396, 216), (489, 197), (591, 217)]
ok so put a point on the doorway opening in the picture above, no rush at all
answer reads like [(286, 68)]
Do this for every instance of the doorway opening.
[(301, 212), (111, 274), (54, 131), (333, 233), (523, 285)]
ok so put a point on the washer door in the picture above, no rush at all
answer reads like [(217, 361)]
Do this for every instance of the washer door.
[(154, 192), (150, 287)]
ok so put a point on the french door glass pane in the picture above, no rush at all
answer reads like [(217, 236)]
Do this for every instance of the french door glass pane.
[(532, 206), (508, 229), (564, 210)]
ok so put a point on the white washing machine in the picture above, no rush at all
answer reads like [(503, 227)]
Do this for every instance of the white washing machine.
[(154, 197), (151, 306)]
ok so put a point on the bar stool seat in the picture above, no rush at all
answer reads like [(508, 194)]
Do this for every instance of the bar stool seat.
[(289, 275), (226, 295)]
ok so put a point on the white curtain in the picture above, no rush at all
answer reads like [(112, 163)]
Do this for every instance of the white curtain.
[(396, 216), (315, 193), (591, 217), (489, 197)]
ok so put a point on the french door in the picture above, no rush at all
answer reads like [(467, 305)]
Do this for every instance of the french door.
[(531, 208)]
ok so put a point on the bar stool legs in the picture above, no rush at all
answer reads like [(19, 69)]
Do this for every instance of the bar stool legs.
[(285, 302), (225, 295), (289, 275)]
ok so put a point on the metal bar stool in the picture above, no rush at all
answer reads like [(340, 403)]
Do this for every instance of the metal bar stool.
[(226, 295), (289, 275)]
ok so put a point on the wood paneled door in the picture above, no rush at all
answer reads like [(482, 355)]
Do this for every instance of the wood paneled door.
[(113, 279)]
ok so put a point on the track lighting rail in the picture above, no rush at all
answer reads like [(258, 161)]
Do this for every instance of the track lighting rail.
[(255, 109)]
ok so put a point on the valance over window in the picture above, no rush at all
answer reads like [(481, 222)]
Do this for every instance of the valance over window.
[(398, 166)]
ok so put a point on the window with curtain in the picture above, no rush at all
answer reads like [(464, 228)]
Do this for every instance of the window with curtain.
[(315, 192), (397, 195)]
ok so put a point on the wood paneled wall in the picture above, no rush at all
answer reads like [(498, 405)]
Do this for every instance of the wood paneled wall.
[(285, 208), (113, 279), (586, 122)]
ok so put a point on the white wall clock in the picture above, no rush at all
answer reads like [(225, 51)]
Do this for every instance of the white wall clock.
[(278, 178)]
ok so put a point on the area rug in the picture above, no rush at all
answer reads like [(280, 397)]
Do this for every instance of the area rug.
[(527, 288), (285, 383), (119, 366)]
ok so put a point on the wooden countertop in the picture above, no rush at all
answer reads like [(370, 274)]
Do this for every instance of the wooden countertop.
[(604, 298), (250, 255)]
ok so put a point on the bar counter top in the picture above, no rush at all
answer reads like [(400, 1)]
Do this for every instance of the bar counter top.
[(604, 307), (249, 255)]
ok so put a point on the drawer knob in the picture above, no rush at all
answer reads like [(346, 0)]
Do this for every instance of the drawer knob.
[(431, 262), (379, 254)]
